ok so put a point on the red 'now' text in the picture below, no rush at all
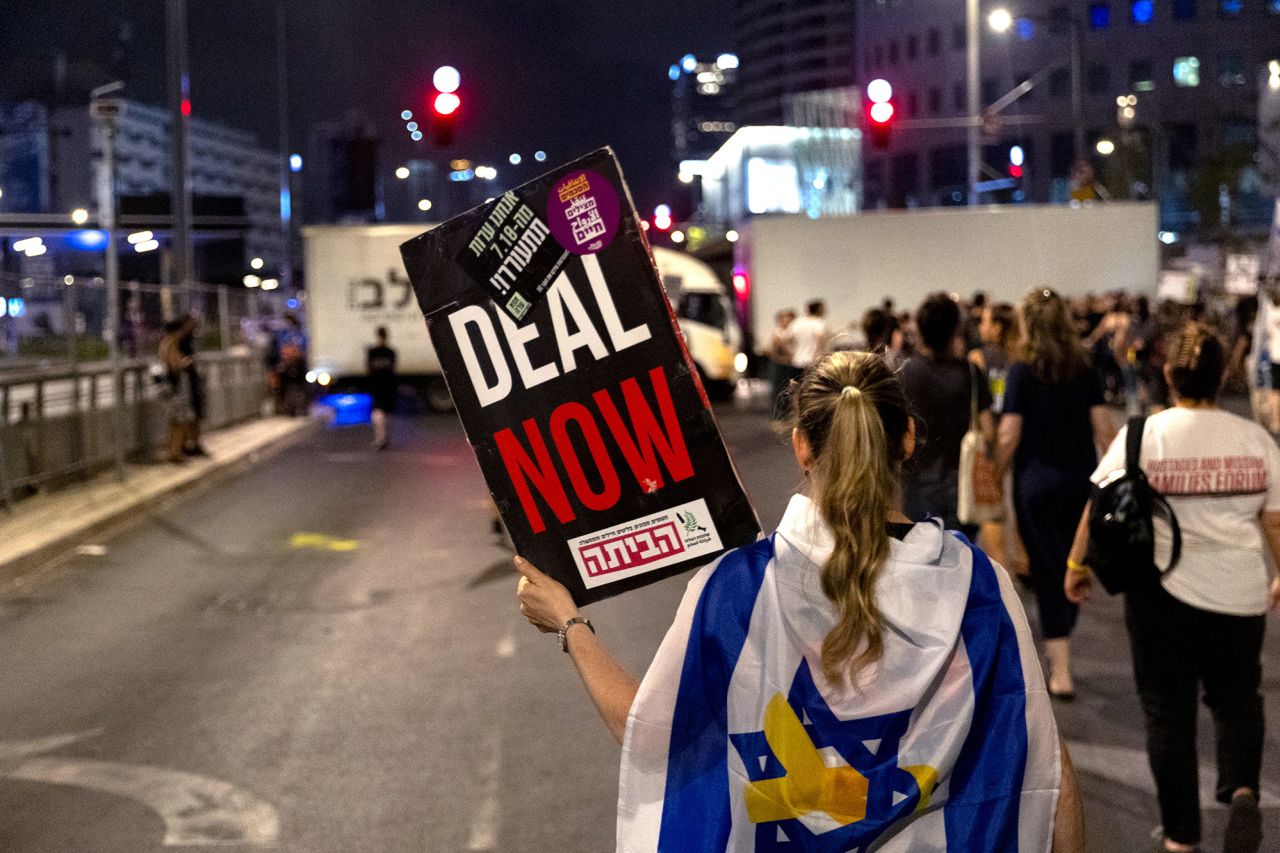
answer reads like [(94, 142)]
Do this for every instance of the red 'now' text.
[(638, 434)]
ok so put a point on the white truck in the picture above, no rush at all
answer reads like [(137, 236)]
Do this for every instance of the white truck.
[(855, 262), (356, 283)]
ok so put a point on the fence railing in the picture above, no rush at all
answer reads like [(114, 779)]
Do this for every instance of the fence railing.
[(58, 423), (46, 319)]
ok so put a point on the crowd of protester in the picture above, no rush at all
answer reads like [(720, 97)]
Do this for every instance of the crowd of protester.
[(1045, 383)]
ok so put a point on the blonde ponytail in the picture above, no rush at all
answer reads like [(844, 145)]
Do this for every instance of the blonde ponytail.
[(852, 410)]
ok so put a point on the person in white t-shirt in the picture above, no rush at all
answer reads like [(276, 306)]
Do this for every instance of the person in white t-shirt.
[(810, 335), (1203, 624)]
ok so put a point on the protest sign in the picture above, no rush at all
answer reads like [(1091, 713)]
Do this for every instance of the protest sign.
[(574, 386)]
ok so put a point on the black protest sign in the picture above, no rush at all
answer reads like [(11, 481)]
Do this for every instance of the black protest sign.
[(585, 411)]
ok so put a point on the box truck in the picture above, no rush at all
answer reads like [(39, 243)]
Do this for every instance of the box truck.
[(356, 282), (855, 262)]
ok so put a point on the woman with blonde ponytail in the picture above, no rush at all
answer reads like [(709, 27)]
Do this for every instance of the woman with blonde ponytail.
[(853, 680)]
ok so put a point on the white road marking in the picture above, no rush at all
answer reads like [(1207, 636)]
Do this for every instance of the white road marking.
[(196, 810), (507, 643), (92, 550), (17, 751), (484, 822), (1129, 767)]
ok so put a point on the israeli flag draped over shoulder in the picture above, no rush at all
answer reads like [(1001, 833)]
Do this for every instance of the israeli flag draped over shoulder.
[(737, 742)]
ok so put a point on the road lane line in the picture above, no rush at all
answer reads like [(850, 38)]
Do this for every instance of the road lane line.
[(506, 647), (484, 822), (1129, 767)]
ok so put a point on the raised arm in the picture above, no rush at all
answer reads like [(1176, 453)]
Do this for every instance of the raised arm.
[(547, 605)]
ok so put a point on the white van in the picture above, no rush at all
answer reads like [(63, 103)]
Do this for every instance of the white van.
[(707, 320)]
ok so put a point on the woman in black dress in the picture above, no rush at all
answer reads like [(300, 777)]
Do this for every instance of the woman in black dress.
[(1052, 425)]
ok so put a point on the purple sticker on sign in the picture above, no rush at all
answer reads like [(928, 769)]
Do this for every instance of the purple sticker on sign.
[(583, 212)]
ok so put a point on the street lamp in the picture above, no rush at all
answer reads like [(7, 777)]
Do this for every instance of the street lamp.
[(1001, 20), (79, 216), (1105, 147)]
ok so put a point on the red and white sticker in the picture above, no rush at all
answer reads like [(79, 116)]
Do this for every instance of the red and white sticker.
[(645, 544)]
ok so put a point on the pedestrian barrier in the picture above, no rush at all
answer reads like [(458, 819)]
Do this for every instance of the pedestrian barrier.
[(58, 423)]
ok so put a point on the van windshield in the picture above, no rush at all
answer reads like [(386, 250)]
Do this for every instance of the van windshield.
[(706, 308)]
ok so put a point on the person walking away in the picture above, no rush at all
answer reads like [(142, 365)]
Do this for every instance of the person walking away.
[(999, 333), (781, 372), (940, 385), (809, 335), (730, 741), (176, 391), (288, 368), (383, 386), (1201, 626), (194, 385), (1053, 422)]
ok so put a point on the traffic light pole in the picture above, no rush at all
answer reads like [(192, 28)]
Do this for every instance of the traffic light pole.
[(974, 90), (180, 173)]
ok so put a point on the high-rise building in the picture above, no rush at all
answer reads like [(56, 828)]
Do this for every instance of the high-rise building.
[(702, 105), (1188, 70), (342, 180), (788, 47)]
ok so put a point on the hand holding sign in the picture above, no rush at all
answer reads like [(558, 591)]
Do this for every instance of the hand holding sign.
[(544, 601)]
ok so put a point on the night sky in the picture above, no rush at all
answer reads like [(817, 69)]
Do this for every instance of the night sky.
[(553, 74)]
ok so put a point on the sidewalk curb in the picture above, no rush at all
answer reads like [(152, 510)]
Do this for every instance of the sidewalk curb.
[(14, 570)]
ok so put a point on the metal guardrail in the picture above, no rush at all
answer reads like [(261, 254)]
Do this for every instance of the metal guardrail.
[(58, 424)]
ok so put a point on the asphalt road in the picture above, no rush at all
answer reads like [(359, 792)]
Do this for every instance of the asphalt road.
[(324, 654)]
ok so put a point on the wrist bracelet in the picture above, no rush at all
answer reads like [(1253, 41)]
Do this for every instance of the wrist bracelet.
[(564, 630), (1078, 568)]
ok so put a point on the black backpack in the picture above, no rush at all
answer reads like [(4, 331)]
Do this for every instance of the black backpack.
[(1122, 537)]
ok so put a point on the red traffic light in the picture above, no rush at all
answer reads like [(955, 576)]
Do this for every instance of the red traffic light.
[(1015, 171), (446, 103), (881, 112)]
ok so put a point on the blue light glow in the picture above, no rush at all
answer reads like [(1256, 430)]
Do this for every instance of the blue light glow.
[(286, 206), (1025, 28), (416, 136), (17, 307), (292, 303), (673, 72), (295, 162), (1142, 11), (89, 239), (406, 115), (689, 63), (462, 175), (411, 126), (540, 156), (1100, 16)]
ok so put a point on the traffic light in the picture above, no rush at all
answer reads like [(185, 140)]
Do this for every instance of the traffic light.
[(445, 105), (880, 111)]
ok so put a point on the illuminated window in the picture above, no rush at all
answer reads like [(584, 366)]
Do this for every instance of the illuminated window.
[(1142, 11), (1186, 71), (1099, 16)]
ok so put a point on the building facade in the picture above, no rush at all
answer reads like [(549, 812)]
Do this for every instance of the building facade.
[(52, 160), (1187, 69), (790, 46), (702, 105)]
